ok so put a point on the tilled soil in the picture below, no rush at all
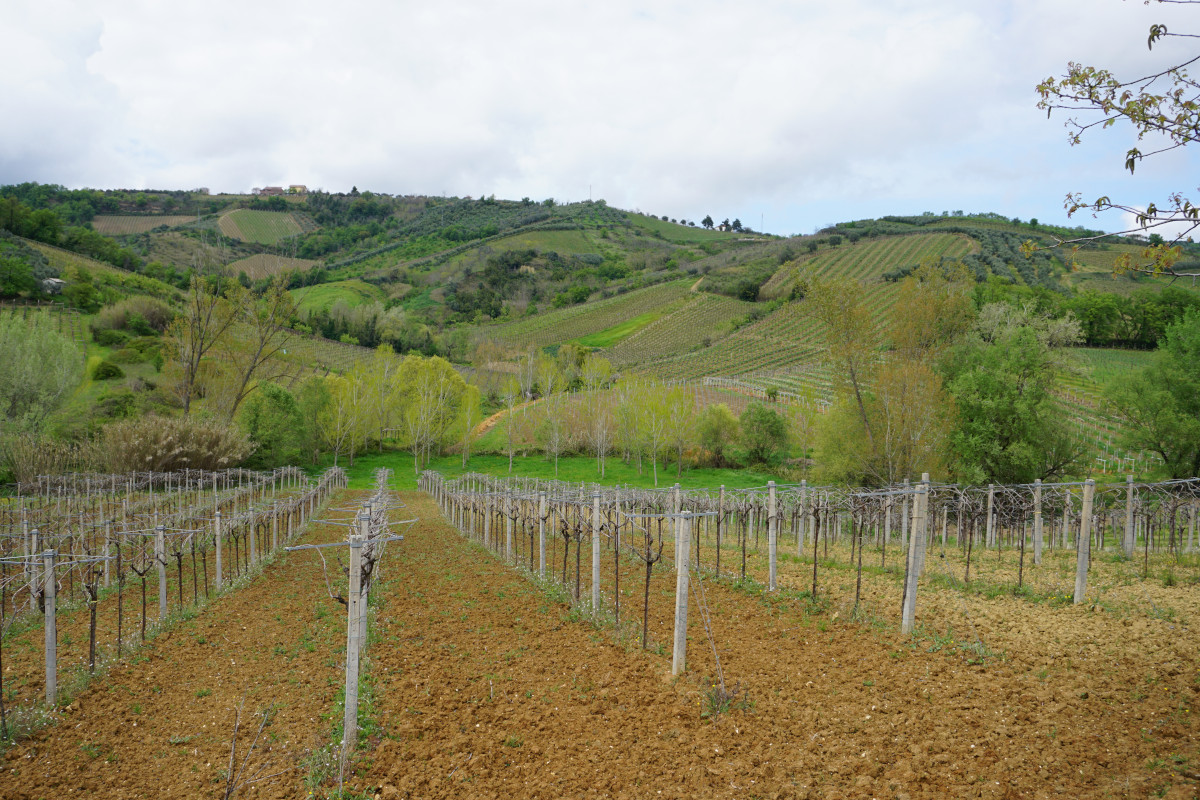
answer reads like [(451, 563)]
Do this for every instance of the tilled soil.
[(484, 686), (160, 723)]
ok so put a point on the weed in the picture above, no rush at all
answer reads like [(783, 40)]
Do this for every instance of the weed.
[(718, 700), (514, 741), (204, 693)]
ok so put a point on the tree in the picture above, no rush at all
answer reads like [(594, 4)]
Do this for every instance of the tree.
[(707, 221), (1160, 405), (431, 392), (272, 421), (342, 420), (258, 333), (717, 430), (1009, 429), (1161, 106), (764, 433), (39, 367), (472, 412), (681, 416), (206, 316), (736, 225), (16, 277)]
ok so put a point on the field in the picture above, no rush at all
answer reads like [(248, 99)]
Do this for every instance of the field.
[(262, 227), (594, 316), (116, 225), (484, 680), (352, 292), (264, 265)]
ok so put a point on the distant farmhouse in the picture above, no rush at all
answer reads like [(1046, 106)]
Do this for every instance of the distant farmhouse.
[(53, 285), (277, 191)]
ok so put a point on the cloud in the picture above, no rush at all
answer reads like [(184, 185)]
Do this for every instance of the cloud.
[(792, 111)]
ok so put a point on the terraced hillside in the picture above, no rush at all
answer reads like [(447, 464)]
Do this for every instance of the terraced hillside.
[(264, 265), (262, 227), (568, 324), (126, 225)]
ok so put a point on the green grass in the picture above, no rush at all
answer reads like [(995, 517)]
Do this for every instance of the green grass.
[(570, 468), (321, 297), (674, 232), (609, 337), (263, 227)]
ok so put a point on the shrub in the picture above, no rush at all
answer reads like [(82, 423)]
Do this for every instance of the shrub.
[(108, 337), (162, 444), (141, 315), (25, 456), (107, 370)]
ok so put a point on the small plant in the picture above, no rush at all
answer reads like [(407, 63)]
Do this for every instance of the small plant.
[(513, 741), (718, 700), (91, 749), (204, 693)]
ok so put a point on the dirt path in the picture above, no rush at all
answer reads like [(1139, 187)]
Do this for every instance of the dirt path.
[(160, 724)]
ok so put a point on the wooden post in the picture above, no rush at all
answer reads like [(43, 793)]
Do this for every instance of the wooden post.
[(909, 610), (217, 547), (596, 552), (675, 522), (542, 534), (1037, 521), (487, 522), (1083, 550), (679, 655), (274, 527), (49, 597), (350, 720), (1128, 541), (160, 557), (772, 536)]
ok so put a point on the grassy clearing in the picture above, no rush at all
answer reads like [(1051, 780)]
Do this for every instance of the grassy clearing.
[(321, 297), (609, 337), (570, 468)]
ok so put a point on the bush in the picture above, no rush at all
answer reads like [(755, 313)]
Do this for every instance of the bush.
[(108, 337), (163, 444), (107, 370), (23, 457), (143, 316)]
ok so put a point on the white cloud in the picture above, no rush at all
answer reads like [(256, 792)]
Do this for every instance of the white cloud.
[(799, 112)]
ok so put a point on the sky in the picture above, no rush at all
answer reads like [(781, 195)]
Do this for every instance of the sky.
[(788, 115)]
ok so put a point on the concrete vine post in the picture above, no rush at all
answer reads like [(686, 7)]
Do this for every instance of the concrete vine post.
[(909, 610), (508, 529), (160, 560), (542, 512), (1037, 522), (596, 552), (350, 719), (772, 536), (990, 539), (803, 534), (1128, 542), (679, 654), (1083, 550), (49, 598), (217, 547)]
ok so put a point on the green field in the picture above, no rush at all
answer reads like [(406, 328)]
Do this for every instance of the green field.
[(322, 296), (674, 232), (609, 337), (261, 227)]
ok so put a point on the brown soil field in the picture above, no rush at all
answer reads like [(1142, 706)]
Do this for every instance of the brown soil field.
[(485, 684), (119, 225), (264, 265)]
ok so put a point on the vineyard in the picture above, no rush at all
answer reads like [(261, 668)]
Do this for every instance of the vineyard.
[(323, 356), (266, 265), (117, 225), (685, 328), (558, 327), (262, 227)]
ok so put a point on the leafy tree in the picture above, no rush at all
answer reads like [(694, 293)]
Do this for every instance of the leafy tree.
[(1009, 429), (272, 421), (38, 369), (1160, 405), (717, 431), (764, 433), (1161, 106), (16, 277), (707, 221), (736, 225)]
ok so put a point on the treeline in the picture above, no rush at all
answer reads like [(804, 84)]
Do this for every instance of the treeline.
[(1137, 320), (50, 226)]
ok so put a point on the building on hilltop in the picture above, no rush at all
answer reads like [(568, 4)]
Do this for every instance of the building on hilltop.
[(271, 191), (297, 188)]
